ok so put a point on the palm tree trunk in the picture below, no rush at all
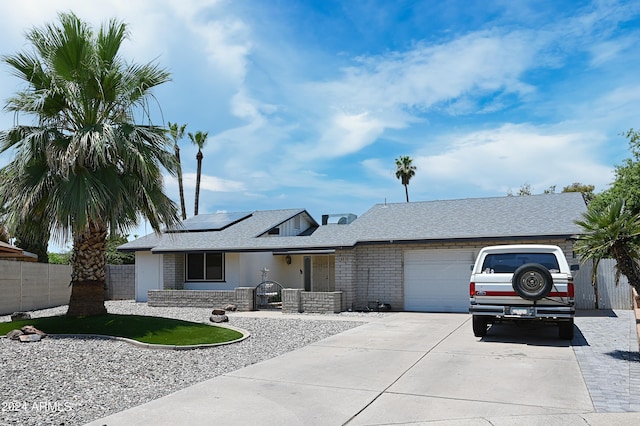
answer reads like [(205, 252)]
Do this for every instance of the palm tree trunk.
[(199, 172), (88, 277), (183, 208), (406, 192)]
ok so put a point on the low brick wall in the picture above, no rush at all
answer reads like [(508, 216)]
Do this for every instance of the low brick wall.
[(294, 301), (242, 297)]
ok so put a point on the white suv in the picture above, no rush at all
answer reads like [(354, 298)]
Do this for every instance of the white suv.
[(522, 283)]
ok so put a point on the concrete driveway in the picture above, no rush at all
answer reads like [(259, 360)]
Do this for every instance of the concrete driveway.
[(405, 368)]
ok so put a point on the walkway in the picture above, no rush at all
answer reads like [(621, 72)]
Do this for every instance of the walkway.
[(607, 350)]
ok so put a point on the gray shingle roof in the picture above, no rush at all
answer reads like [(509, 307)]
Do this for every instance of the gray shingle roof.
[(474, 218)]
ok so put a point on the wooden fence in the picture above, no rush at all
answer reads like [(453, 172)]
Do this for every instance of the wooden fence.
[(610, 295)]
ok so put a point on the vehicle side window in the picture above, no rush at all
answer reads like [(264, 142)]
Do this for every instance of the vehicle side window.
[(506, 263)]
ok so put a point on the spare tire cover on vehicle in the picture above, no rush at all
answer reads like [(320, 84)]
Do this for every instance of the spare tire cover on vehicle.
[(532, 281)]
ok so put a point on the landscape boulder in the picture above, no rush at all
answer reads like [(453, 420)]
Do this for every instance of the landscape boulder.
[(28, 333), (218, 312), (30, 337), (230, 307), (17, 316), (14, 334), (29, 329), (219, 318)]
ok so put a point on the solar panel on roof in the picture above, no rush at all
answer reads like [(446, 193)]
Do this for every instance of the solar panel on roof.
[(210, 222)]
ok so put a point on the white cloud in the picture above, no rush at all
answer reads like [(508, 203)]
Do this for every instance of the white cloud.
[(212, 183), (226, 46), (507, 157), (607, 50), (394, 91), (480, 62), (346, 134)]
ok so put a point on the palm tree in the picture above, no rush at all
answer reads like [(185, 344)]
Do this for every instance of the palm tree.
[(200, 140), (4, 232), (33, 235), (611, 233), (33, 231), (405, 171), (177, 132), (85, 161)]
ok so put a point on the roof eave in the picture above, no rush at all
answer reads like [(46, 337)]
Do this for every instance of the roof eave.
[(571, 236)]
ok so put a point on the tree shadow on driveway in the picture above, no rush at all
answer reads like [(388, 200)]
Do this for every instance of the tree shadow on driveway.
[(625, 355)]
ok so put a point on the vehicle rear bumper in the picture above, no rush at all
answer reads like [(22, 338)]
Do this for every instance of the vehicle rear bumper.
[(524, 312)]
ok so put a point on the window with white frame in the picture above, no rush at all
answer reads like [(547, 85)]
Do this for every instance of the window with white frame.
[(205, 266)]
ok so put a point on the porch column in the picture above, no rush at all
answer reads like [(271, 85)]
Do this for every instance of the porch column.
[(245, 298), (291, 300)]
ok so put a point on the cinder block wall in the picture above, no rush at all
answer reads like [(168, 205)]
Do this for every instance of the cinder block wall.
[(28, 286), (11, 285), (120, 282)]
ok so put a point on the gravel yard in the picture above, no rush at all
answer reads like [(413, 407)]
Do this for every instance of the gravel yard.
[(66, 381)]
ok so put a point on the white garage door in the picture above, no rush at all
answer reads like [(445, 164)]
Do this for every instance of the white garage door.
[(437, 280)]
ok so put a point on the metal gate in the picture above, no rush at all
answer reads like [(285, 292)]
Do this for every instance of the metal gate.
[(269, 295)]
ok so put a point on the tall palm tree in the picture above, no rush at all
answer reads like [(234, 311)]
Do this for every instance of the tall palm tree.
[(405, 170), (612, 232), (177, 132), (85, 161), (200, 140)]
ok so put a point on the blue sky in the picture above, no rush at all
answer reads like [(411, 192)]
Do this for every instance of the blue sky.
[(308, 103)]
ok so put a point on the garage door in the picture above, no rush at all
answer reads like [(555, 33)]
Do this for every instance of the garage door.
[(437, 280)]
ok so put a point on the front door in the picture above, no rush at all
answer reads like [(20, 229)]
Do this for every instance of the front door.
[(324, 273)]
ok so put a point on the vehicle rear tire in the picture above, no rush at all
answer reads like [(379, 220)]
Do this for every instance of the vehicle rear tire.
[(532, 281), (565, 329), (480, 325)]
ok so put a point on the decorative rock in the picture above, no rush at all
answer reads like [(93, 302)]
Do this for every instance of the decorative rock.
[(218, 312), (30, 338), (17, 316), (29, 329), (219, 318), (14, 334), (384, 307), (231, 307)]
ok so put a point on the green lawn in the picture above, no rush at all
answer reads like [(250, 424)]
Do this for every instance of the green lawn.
[(144, 329)]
